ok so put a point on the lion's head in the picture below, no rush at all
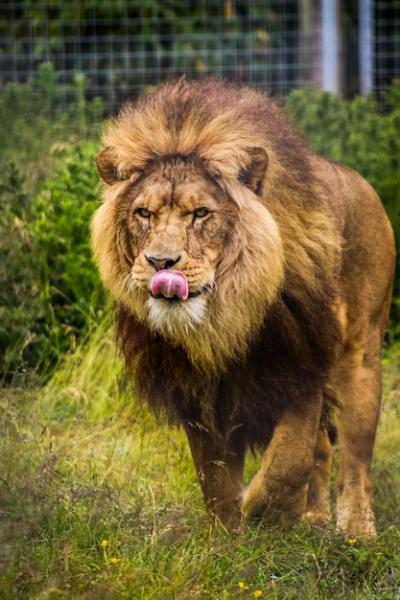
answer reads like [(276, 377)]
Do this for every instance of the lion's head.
[(184, 239)]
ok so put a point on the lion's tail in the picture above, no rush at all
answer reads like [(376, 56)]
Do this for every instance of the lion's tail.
[(330, 403)]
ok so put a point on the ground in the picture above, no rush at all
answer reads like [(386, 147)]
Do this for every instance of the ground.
[(98, 501)]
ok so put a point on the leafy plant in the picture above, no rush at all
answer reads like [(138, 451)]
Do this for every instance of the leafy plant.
[(19, 289), (50, 289)]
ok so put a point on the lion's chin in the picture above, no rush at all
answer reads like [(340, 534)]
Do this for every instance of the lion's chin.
[(175, 319)]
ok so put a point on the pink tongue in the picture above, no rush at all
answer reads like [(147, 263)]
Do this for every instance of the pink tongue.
[(170, 284)]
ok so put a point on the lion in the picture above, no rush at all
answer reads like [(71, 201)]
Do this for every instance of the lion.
[(252, 281)]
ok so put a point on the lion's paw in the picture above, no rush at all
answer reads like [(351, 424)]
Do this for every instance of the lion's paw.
[(271, 509), (358, 525), (254, 503)]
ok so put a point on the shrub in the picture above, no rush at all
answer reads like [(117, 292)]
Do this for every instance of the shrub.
[(50, 290), (20, 293), (62, 213)]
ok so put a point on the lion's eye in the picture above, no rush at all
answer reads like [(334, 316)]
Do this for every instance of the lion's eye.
[(199, 213), (143, 212)]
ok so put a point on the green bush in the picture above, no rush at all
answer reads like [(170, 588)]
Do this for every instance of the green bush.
[(364, 135), (62, 214), (50, 290), (20, 289), (49, 287)]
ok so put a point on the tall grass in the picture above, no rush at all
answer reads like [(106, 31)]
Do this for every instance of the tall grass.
[(83, 462)]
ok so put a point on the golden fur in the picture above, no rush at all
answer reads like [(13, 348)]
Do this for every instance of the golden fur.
[(287, 239)]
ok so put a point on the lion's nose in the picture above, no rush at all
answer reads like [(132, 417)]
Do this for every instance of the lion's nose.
[(162, 263)]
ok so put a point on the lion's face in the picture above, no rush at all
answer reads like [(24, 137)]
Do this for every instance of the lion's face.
[(175, 218), (178, 220)]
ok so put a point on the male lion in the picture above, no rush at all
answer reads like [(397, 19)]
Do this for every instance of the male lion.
[(252, 280)]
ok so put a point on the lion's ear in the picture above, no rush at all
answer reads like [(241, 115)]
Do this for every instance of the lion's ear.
[(105, 162), (253, 174), (107, 168)]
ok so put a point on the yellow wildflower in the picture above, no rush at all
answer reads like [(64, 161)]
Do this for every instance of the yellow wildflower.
[(114, 560), (352, 541), (257, 594), (104, 543), (243, 586)]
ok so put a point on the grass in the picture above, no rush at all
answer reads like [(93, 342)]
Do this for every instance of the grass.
[(98, 501)]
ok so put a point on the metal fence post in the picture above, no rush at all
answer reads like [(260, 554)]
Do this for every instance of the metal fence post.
[(330, 46), (365, 45)]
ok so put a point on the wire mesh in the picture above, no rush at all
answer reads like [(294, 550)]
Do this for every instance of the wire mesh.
[(124, 46), (386, 44)]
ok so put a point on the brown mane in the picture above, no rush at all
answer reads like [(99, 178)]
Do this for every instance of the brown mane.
[(215, 121), (220, 125)]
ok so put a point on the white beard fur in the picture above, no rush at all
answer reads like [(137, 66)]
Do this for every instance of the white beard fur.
[(178, 318)]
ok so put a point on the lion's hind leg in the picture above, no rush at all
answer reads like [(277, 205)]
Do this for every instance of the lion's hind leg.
[(358, 380)]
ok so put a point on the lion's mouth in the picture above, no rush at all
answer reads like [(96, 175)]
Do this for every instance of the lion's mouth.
[(173, 286), (175, 299)]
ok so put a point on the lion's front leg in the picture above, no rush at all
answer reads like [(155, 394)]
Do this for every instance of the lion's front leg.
[(219, 464), (278, 492)]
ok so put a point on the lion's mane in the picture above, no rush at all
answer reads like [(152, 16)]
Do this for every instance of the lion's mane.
[(278, 342)]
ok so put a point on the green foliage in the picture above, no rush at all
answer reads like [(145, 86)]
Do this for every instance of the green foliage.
[(19, 290), (50, 289), (93, 370), (61, 227), (48, 192), (360, 134)]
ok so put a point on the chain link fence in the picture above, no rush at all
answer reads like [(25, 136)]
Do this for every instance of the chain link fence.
[(386, 43), (124, 46)]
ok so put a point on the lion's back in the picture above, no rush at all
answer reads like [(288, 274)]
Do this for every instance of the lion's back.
[(368, 249)]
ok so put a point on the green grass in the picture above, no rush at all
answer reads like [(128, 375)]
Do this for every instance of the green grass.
[(81, 462)]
